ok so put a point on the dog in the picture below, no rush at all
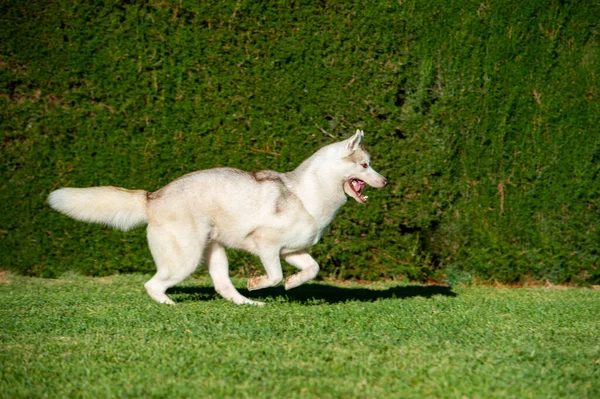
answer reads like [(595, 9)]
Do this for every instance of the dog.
[(269, 214)]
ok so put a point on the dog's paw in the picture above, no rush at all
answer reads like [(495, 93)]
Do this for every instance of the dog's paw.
[(292, 282), (256, 283), (159, 297), (245, 301)]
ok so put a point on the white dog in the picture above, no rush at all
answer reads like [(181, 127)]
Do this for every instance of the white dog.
[(269, 214)]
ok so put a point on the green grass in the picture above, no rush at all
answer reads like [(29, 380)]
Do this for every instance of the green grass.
[(103, 337)]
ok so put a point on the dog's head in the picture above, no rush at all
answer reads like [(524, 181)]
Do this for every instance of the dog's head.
[(357, 168)]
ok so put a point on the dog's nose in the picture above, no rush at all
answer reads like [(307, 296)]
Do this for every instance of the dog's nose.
[(385, 182)]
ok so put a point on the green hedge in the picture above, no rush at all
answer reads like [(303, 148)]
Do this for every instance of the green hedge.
[(483, 115)]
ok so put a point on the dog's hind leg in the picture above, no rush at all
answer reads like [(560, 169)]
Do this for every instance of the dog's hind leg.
[(218, 268), (177, 250), (309, 268)]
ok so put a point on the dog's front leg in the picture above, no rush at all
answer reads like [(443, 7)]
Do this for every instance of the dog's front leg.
[(309, 268), (218, 268), (270, 260)]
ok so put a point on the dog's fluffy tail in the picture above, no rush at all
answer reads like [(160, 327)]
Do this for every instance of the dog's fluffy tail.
[(112, 206)]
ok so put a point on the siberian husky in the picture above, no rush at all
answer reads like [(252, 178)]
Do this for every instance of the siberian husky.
[(269, 214)]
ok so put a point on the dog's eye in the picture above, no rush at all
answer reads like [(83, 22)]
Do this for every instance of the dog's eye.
[(364, 165)]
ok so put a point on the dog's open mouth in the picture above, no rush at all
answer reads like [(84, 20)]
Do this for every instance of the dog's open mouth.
[(354, 188)]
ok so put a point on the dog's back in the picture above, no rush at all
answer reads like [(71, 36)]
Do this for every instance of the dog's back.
[(237, 205)]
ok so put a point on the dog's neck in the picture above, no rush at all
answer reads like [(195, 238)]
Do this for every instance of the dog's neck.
[(319, 189)]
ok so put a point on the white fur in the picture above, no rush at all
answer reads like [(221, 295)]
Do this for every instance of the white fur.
[(112, 206), (194, 218)]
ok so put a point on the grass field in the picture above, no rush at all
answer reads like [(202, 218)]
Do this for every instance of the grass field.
[(103, 337)]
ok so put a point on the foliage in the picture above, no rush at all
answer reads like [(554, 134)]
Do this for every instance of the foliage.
[(484, 116)]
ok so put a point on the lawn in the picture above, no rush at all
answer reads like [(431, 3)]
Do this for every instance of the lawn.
[(104, 337)]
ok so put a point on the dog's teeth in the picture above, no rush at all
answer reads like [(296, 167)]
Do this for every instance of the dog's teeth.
[(366, 197)]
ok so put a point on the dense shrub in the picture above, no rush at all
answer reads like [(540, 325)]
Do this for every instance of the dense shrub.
[(484, 116)]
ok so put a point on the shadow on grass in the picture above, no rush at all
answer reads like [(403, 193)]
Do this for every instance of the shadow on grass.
[(319, 293)]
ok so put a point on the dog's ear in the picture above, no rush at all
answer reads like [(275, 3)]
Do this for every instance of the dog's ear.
[(353, 143)]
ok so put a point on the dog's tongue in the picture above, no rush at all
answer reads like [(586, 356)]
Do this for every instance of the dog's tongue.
[(358, 185)]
